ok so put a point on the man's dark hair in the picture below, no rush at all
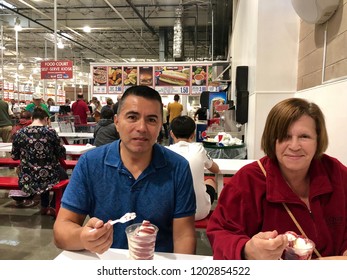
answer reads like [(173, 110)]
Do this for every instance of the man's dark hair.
[(183, 127), (107, 113), (141, 91), (176, 97), (39, 113)]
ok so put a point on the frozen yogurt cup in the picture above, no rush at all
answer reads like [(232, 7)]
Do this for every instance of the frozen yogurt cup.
[(141, 240), (298, 248)]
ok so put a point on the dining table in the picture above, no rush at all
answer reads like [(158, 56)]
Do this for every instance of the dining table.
[(70, 149), (68, 137), (123, 254)]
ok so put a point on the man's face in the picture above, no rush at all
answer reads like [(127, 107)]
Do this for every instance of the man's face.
[(37, 102), (138, 124)]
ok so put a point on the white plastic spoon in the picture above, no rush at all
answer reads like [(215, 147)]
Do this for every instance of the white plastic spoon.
[(125, 218)]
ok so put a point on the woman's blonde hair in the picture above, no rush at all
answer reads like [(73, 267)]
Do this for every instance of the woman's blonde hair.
[(283, 115)]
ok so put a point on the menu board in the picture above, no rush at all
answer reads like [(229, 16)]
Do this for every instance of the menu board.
[(165, 78)]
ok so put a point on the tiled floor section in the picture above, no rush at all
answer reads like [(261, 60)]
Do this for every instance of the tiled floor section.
[(27, 235)]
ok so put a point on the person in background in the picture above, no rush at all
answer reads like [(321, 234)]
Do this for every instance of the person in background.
[(14, 106), (97, 111), (174, 110), (37, 102), (165, 121), (5, 122), (183, 134), (38, 148), (201, 113), (133, 174), (50, 102), (251, 216), (67, 102), (115, 106), (105, 131), (109, 104), (24, 120), (80, 108)]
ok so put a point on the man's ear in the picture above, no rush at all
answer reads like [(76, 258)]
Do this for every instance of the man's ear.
[(115, 120)]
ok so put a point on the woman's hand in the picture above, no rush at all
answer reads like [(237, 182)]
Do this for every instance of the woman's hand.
[(267, 245)]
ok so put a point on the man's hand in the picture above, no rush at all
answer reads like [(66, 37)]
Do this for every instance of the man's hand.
[(98, 240)]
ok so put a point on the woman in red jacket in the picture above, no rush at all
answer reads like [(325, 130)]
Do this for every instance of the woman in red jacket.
[(250, 219)]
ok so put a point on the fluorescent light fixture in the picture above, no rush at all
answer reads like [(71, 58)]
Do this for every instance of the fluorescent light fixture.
[(60, 45), (18, 28), (8, 5), (87, 29)]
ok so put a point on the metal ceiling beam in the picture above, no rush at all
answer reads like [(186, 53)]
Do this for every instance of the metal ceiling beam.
[(50, 29), (150, 28), (128, 24)]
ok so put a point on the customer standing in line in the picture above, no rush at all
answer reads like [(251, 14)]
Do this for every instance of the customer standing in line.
[(37, 102), (5, 122), (80, 108), (183, 133), (133, 174), (294, 178), (174, 110)]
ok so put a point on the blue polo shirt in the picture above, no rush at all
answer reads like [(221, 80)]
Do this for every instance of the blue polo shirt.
[(101, 186)]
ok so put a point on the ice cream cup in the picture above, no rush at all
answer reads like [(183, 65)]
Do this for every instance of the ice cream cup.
[(299, 253), (141, 247)]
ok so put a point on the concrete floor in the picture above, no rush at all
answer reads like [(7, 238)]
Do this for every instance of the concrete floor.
[(27, 235)]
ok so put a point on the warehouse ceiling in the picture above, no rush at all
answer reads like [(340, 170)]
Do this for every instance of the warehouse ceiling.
[(120, 31)]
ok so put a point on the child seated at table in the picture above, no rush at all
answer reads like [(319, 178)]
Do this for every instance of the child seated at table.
[(183, 134)]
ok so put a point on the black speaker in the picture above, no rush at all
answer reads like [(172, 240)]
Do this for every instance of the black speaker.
[(241, 78), (242, 106), (204, 98)]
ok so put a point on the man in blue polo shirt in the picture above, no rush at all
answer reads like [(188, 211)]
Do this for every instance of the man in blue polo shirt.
[(133, 174)]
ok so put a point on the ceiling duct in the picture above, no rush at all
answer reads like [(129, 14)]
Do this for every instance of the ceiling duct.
[(178, 34)]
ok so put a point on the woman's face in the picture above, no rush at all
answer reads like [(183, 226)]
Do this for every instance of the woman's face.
[(296, 151)]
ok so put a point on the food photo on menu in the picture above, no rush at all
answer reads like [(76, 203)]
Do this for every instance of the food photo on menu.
[(130, 76), (99, 75), (172, 76), (199, 75), (115, 76), (146, 75)]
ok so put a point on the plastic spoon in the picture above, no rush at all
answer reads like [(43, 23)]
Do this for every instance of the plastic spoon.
[(125, 218)]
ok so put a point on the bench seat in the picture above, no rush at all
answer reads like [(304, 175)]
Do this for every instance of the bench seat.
[(68, 164), (203, 223), (9, 162), (11, 183)]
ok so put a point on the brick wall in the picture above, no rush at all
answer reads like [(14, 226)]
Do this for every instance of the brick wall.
[(311, 50)]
